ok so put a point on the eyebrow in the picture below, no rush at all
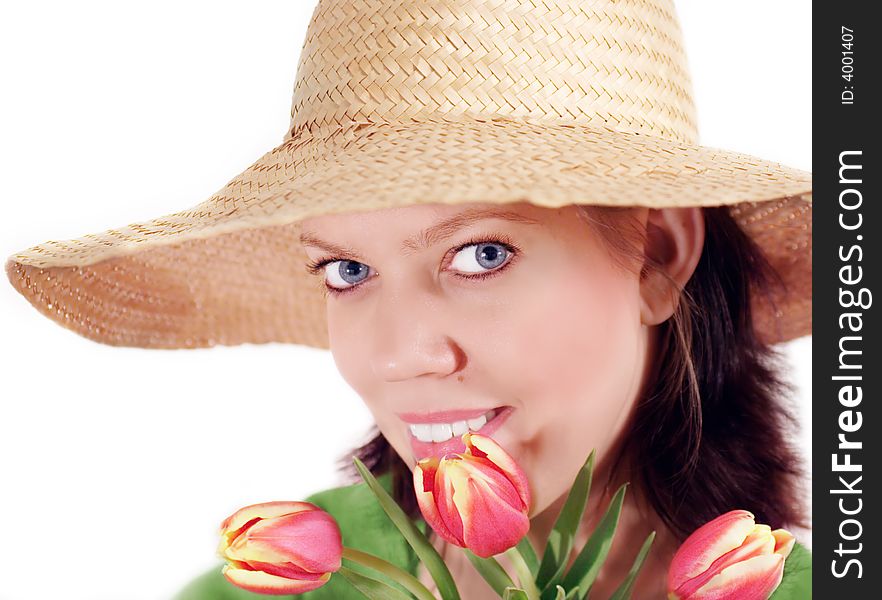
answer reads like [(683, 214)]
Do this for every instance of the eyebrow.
[(434, 234)]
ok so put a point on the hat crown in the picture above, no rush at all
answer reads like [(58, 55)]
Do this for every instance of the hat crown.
[(618, 64)]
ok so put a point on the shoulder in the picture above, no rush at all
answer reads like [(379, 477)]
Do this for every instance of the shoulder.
[(364, 525), (797, 581)]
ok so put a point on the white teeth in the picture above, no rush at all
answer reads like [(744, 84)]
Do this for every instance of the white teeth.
[(441, 432), (459, 428), (422, 432), (476, 424)]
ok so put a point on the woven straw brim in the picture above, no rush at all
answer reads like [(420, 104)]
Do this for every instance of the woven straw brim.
[(231, 269)]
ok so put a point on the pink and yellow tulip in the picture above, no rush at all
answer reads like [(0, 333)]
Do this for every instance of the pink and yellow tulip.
[(730, 557), (478, 500), (280, 547)]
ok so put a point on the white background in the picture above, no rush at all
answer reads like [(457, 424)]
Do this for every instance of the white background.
[(119, 463)]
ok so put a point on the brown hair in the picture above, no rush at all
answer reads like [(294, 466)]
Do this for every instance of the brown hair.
[(712, 431)]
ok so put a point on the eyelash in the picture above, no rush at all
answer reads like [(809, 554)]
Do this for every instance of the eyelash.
[(315, 267)]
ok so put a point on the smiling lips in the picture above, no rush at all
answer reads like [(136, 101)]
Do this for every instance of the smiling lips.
[(444, 416), (431, 437), (441, 432)]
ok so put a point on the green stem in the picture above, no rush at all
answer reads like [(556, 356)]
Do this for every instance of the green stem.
[(525, 577), (411, 583)]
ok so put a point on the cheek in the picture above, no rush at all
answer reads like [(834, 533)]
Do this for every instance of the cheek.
[(579, 364), (350, 346), (580, 334), (353, 341)]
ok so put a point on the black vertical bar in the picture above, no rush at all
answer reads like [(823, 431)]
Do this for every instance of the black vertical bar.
[(847, 225)]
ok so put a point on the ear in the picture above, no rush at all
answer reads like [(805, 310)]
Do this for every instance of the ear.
[(674, 240)]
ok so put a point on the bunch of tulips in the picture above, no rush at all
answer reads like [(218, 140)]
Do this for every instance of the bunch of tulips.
[(480, 501)]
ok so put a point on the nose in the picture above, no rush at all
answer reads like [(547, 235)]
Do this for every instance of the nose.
[(413, 339)]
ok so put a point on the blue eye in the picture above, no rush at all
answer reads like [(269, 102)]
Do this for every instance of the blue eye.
[(485, 255), (345, 273)]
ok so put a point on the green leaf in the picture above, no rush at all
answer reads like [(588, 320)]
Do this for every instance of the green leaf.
[(623, 592), (419, 542), (513, 593), (372, 588), (491, 571), (560, 541), (392, 571), (553, 547), (529, 554), (525, 577), (561, 594), (589, 561)]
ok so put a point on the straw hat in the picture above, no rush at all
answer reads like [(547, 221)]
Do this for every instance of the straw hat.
[(401, 102)]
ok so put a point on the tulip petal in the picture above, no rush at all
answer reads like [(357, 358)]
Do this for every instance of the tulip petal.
[(784, 542), (264, 583), (492, 515), (285, 570), (311, 540), (263, 510), (707, 543), (490, 527), (760, 542), (484, 446), (427, 469), (496, 482), (242, 519), (424, 487), (449, 483), (753, 579)]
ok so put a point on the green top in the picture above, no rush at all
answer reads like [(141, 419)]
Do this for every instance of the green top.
[(366, 527)]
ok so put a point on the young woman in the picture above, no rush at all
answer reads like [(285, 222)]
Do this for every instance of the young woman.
[(509, 214), (627, 331)]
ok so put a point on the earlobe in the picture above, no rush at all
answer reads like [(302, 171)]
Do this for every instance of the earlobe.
[(674, 242)]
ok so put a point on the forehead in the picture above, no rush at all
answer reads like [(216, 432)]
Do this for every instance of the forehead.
[(423, 214), (417, 226)]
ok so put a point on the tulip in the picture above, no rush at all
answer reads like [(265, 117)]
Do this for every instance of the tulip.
[(280, 547), (478, 500), (729, 557)]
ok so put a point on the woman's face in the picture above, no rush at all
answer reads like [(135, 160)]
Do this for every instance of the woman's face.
[(457, 307)]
